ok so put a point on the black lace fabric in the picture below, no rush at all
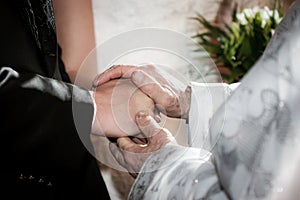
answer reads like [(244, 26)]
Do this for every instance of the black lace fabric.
[(38, 16)]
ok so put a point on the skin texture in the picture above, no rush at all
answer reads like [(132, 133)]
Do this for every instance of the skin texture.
[(75, 32), (168, 99), (118, 101), (132, 154)]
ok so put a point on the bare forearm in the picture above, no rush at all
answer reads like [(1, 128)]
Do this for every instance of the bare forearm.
[(75, 32)]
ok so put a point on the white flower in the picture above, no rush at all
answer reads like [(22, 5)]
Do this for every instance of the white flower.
[(249, 13), (242, 19), (246, 14), (265, 14), (276, 16)]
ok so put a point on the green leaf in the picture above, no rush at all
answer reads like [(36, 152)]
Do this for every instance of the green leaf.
[(208, 25), (236, 46)]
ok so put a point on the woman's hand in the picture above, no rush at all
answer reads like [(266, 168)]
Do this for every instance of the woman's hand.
[(168, 99)]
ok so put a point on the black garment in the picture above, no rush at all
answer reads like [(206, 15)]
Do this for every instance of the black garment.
[(42, 155)]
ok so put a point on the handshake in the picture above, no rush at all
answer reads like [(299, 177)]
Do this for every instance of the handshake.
[(129, 100)]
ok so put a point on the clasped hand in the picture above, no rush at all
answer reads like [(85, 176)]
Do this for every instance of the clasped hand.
[(123, 110)]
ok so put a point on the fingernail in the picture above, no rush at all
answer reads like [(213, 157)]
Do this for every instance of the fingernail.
[(157, 118), (142, 114), (142, 117), (137, 77)]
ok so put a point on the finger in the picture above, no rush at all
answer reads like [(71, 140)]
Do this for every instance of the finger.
[(116, 71), (157, 136), (157, 116), (162, 96), (127, 144), (163, 137), (147, 124), (117, 154), (139, 140)]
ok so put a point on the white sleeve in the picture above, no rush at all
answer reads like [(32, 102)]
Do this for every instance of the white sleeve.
[(205, 100), (178, 172)]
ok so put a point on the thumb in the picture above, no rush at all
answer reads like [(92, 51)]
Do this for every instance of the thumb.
[(157, 136), (147, 124), (125, 143)]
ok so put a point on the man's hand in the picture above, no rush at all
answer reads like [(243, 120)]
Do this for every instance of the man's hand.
[(117, 103), (132, 154), (168, 99)]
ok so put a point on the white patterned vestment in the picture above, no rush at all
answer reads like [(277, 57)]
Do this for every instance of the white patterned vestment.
[(250, 135)]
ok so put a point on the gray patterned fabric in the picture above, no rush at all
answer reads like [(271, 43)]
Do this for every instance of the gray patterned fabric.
[(261, 122)]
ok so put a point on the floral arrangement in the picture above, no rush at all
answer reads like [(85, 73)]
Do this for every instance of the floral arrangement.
[(237, 46)]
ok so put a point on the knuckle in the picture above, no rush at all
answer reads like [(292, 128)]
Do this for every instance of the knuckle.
[(169, 100)]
